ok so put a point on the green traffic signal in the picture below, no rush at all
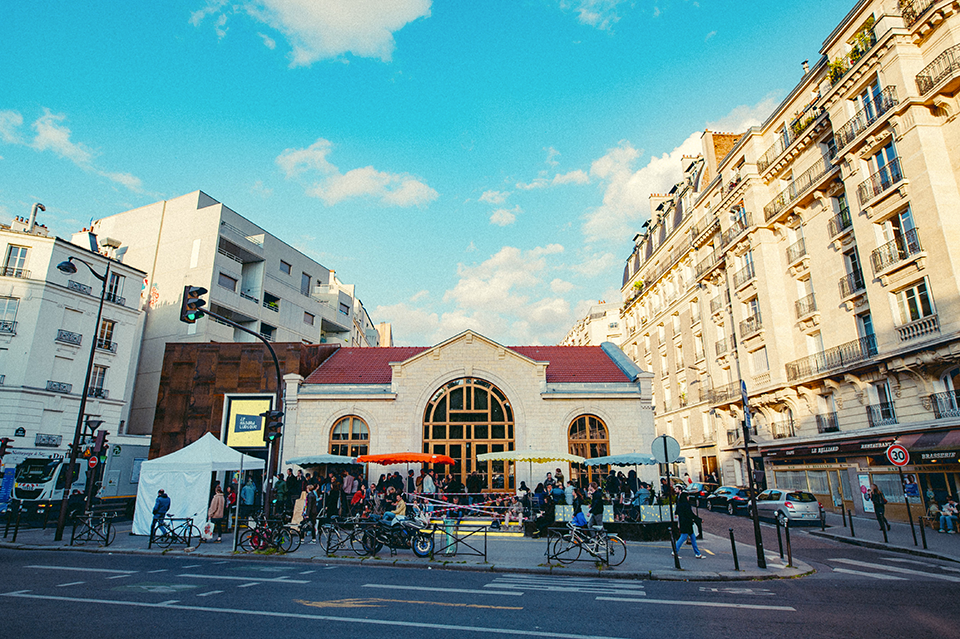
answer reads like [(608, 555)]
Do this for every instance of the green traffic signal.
[(190, 307)]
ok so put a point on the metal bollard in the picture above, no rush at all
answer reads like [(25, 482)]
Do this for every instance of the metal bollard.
[(733, 545), (923, 535), (786, 530), (843, 513), (852, 533), (883, 529), (779, 539), (823, 520)]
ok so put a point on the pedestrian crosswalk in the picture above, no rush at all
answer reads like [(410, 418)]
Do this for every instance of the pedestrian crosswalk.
[(889, 570), (547, 583)]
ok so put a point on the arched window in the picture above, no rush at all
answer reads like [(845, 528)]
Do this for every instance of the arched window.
[(465, 418), (349, 437), (588, 438)]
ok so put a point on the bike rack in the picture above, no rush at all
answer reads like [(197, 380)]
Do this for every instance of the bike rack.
[(173, 524), (92, 532), (455, 538), (557, 533)]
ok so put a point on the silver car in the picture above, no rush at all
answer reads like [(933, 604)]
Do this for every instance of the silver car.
[(788, 505)]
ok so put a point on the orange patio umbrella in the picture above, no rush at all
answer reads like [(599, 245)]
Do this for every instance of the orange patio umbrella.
[(387, 459)]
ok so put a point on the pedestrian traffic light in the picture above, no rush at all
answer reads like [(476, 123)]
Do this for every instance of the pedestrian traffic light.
[(190, 310), (4, 443), (272, 423), (99, 445)]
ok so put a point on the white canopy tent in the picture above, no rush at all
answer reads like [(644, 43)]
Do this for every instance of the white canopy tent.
[(185, 477)]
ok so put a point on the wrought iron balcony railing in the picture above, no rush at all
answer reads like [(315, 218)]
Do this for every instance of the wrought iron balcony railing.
[(839, 222), (911, 10), (113, 298), (783, 429), (850, 284), (838, 357), (69, 337), (943, 66), (79, 288), (863, 42), (828, 423), (881, 414), (805, 305), (946, 405), (9, 271), (789, 136), (740, 224), (796, 250), (99, 393), (880, 181), (744, 275), (707, 263), (724, 393), (59, 387), (796, 188), (886, 100), (726, 345), (750, 326), (897, 250), (8, 326), (106, 345)]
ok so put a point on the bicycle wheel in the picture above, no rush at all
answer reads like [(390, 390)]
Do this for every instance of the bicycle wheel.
[(78, 535), (192, 537), (370, 542), (356, 542), (283, 540), (566, 549), (247, 540), (296, 538), (164, 539), (422, 544), (108, 532), (616, 551)]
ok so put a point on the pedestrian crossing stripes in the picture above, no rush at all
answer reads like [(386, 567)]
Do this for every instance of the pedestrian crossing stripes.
[(884, 570), (546, 583)]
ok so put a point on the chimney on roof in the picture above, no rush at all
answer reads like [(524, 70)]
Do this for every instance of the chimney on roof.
[(806, 66), (86, 239)]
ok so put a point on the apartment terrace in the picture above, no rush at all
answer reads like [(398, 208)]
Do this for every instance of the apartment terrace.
[(865, 117), (798, 187), (832, 359), (944, 72)]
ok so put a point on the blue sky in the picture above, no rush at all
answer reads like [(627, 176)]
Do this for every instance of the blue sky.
[(466, 164)]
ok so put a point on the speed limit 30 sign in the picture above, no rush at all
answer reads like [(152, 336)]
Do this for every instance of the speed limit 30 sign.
[(898, 455)]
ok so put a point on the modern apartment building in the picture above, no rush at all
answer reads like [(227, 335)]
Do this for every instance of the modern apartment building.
[(601, 324), (253, 278), (48, 324), (815, 259)]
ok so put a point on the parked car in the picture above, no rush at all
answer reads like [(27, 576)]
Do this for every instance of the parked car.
[(789, 505), (698, 492), (732, 499)]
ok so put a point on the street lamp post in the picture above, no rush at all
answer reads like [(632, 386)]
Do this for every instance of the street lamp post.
[(70, 268)]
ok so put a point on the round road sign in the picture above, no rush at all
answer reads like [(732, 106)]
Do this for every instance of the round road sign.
[(93, 461), (665, 449), (898, 455)]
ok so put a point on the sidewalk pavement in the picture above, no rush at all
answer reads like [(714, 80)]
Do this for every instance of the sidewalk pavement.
[(645, 560), (867, 533)]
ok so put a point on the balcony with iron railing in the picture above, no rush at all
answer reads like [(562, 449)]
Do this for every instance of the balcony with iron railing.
[(9, 327), (805, 305), (946, 405), (725, 345), (797, 187), (946, 65), (700, 227), (732, 437), (864, 40), (79, 288), (98, 393), (744, 275), (717, 303), (897, 250), (789, 135), (923, 326), (69, 337), (796, 250), (783, 429), (113, 298), (888, 176), (875, 108), (851, 284), (750, 326), (9, 271), (839, 222), (881, 414), (911, 10), (106, 345), (724, 393), (707, 264), (740, 224), (828, 423), (841, 356), (59, 387)]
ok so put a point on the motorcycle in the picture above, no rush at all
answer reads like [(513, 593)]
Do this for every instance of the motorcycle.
[(399, 533)]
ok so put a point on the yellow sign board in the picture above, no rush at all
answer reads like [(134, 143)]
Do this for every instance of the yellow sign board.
[(244, 423)]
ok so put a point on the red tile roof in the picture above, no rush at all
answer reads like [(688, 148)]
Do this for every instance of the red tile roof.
[(585, 364)]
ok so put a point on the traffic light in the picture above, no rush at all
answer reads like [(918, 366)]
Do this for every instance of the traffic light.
[(272, 423), (4, 443), (190, 310), (100, 444)]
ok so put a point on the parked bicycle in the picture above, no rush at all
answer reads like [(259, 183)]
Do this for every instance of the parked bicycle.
[(600, 545), (267, 535), (343, 533), (89, 528), (169, 531)]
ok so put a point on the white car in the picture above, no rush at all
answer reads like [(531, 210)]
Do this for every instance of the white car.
[(788, 505)]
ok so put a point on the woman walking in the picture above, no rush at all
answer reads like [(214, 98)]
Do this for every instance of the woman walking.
[(685, 517), (879, 503), (215, 513)]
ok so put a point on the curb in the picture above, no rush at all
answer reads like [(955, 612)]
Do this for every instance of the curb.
[(801, 569), (878, 545)]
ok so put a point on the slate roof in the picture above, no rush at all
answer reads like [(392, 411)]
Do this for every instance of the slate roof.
[(577, 364)]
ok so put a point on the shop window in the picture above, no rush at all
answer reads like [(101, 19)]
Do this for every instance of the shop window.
[(349, 437)]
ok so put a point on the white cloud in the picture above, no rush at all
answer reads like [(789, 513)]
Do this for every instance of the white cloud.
[(552, 154), (268, 42), (539, 183), (395, 189), (596, 264), (10, 121), (573, 177), (494, 197), (505, 217), (709, 35), (601, 14), (260, 189), (132, 182), (498, 281), (560, 287), (324, 30), (419, 295), (745, 116)]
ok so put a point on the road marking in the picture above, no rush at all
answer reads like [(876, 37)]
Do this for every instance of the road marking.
[(307, 572), (275, 580), (217, 563), (738, 591), (212, 592), (150, 572), (25, 594), (330, 568), (374, 602), (705, 604), (255, 583), (72, 583), (190, 566), (902, 571), (568, 584), (875, 575), (169, 602), (909, 561), (119, 576), (114, 572), (429, 589), (708, 552)]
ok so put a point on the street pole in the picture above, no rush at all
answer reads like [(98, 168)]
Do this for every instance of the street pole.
[(906, 500), (673, 543), (69, 267), (751, 489)]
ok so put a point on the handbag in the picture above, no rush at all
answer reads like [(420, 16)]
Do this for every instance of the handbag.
[(207, 531)]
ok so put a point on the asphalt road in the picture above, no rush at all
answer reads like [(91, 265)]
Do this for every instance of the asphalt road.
[(164, 596)]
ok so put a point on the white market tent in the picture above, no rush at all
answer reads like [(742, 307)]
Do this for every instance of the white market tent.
[(185, 476)]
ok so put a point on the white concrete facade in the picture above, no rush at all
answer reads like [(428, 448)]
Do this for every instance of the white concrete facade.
[(601, 324), (253, 278)]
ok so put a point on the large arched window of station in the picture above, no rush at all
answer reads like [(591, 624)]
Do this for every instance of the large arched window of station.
[(467, 417), (587, 437), (349, 437)]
